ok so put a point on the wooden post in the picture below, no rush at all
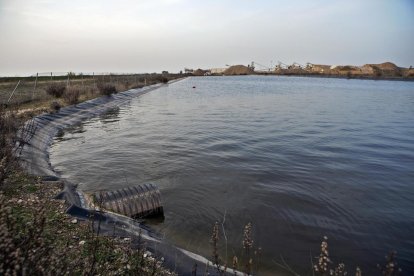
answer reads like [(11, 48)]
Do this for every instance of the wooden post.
[(67, 81), (34, 88), (51, 76)]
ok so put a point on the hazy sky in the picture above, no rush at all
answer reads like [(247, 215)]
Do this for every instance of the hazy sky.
[(155, 35)]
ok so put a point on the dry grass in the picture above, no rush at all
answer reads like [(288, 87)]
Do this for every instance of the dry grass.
[(8, 126), (107, 89), (38, 238), (32, 92), (72, 94), (326, 267), (56, 90), (247, 261)]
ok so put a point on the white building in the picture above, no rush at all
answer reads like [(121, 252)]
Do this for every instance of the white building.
[(217, 70)]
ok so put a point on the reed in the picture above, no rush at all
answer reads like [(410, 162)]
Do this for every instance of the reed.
[(71, 95), (107, 89)]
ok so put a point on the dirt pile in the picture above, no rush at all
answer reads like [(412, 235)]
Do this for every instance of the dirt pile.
[(387, 66), (386, 69), (408, 72), (345, 68), (199, 72), (320, 68), (369, 69), (238, 70)]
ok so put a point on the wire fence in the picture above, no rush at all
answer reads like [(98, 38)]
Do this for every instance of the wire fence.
[(21, 90)]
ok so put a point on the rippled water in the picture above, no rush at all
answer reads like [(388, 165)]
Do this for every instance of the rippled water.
[(300, 158)]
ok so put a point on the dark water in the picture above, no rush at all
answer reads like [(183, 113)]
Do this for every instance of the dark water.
[(300, 158)]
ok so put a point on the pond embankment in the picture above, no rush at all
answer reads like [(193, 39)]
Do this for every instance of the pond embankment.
[(34, 159)]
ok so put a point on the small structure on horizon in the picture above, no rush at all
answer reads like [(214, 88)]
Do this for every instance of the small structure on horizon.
[(217, 71), (188, 71)]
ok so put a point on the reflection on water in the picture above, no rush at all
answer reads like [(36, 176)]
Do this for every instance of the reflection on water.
[(300, 158), (111, 116), (62, 136)]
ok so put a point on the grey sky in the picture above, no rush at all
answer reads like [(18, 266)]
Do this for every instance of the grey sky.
[(155, 35)]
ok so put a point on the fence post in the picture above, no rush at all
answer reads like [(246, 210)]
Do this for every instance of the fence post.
[(11, 95), (51, 75), (82, 80), (34, 88), (67, 81)]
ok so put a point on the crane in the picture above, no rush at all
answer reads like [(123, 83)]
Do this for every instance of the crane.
[(261, 67), (309, 66), (297, 65), (281, 65)]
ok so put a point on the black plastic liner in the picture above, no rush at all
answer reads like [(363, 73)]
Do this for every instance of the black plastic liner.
[(34, 157)]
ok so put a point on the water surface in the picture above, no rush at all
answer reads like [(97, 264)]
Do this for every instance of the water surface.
[(300, 158)]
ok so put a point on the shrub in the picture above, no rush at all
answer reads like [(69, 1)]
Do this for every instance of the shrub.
[(107, 89), (162, 79), (137, 86), (71, 96), (56, 90), (155, 78), (55, 106)]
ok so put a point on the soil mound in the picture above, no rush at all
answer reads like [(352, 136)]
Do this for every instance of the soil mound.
[(386, 69), (199, 72), (408, 72), (238, 70), (387, 66), (345, 68)]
